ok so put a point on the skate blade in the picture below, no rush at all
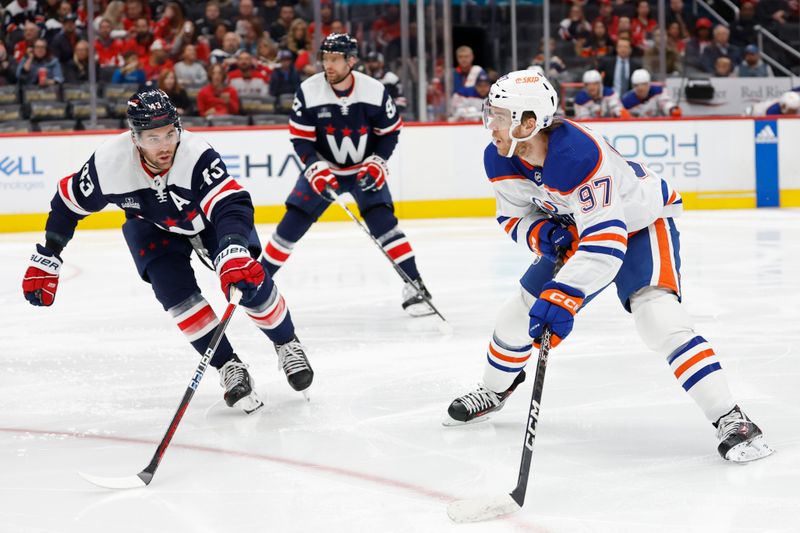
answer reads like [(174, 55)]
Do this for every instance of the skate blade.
[(306, 395), (249, 404), (751, 450), (419, 310), (452, 422)]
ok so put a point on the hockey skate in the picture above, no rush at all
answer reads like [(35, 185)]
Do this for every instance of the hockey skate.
[(475, 406), (740, 439), (292, 358), (238, 385), (414, 296)]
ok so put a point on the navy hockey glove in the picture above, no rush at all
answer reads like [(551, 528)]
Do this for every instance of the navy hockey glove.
[(549, 240), (41, 278), (555, 307), (372, 175), (235, 266), (320, 177)]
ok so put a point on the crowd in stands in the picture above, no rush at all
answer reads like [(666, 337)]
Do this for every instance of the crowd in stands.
[(226, 58)]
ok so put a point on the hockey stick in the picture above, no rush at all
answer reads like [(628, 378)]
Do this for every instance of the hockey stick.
[(329, 190), (143, 478), (475, 510)]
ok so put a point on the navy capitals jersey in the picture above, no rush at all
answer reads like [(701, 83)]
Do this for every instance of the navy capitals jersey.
[(194, 193), (343, 129)]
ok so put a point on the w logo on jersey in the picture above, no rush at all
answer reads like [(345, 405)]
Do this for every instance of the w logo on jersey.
[(347, 148)]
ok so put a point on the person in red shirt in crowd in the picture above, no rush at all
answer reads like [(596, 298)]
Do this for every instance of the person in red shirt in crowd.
[(606, 14), (141, 40), (386, 29), (634, 34), (326, 14), (305, 64), (170, 23), (190, 34), (134, 9), (643, 23), (247, 79), (217, 98), (109, 51), (159, 61), (30, 32)]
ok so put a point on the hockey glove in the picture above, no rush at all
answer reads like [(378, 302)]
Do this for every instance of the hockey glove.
[(235, 266), (555, 307), (550, 240), (320, 177), (372, 175), (41, 279)]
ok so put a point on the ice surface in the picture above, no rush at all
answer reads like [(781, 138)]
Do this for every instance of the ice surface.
[(91, 383)]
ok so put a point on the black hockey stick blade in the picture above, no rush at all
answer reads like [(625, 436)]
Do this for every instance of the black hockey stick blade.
[(142, 479)]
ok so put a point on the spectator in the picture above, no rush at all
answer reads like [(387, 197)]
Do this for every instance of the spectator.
[(574, 25), (247, 13), (168, 83), (159, 61), (752, 66), (676, 37), (723, 68), (39, 67), (54, 14), (217, 98), (693, 54), (131, 71), (643, 23), (386, 29), (326, 14), (285, 79), (595, 100), (268, 11), (720, 47), (207, 25), (558, 70), (188, 70), (678, 13), (114, 12), (64, 43), (624, 8), (305, 64), (772, 14), (743, 29), (249, 33), (280, 28), (141, 41), (374, 66), (134, 10), (267, 54), (246, 79), (18, 12), (617, 69), (337, 26), (170, 23), (297, 38), (634, 35), (107, 49), (217, 40), (189, 35), (76, 70), (304, 9), (8, 69), (648, 100), (470, 108), (606, 14), (465, 74), (226, 56), (652, 57), (30, 33), (597, 44)]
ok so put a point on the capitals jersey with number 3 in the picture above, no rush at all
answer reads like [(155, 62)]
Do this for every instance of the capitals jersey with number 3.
[(586, 182), (343, 129), (196, 191)]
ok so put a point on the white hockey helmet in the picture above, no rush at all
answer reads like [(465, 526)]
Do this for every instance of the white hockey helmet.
[(640, 76), (592, 76), (789, 102), (514, 94)]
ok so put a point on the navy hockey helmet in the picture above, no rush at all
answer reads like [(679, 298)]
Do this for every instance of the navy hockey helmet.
[(150, 109), (339, 43)]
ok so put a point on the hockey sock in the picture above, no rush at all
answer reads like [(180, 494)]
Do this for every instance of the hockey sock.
[(383, 225), (271, 315), (510, 347), (197, 320), (294, 224)]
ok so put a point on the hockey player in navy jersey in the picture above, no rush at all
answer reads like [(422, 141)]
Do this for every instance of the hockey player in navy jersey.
[(562, 191), (344, 127), (177, 197)]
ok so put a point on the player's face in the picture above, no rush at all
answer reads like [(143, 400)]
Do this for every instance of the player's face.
[(336, 67), (593, 89), (641, 90), (498, 121), (158, 145)]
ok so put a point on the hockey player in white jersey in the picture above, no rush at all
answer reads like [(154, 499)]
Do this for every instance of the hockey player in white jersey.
[(595, 100), (177, 197), (561, 190), (648, 100)]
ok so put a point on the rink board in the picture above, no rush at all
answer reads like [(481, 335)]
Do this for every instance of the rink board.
[(437, 170)]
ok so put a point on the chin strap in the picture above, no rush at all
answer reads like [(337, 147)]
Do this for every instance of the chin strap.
[(515, 140)]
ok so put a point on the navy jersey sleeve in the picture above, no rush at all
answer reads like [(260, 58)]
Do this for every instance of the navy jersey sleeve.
[(303, 129), (78, 196), (386, 124), (224, 202)]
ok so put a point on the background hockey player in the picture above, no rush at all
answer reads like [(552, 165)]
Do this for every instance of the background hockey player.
[(595, 100), (560, 186), (177, 196), (787, 104), (648, 100), (345, 126)]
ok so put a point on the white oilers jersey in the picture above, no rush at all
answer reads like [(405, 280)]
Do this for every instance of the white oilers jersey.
[(608, 105), (193, 192), (584, 182), (657, 103), (343, 129)]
